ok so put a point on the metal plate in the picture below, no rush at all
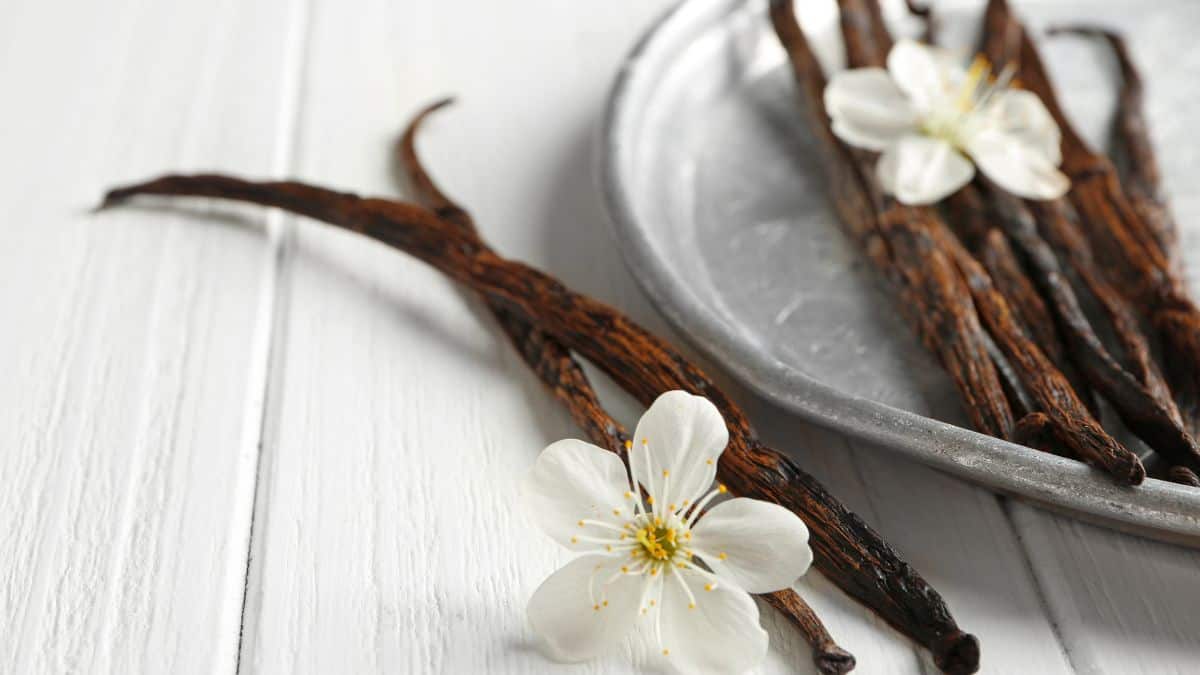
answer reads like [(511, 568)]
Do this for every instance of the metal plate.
[(720, 210)]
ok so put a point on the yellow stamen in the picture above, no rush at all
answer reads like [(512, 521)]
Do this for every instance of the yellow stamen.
[(977, 73)]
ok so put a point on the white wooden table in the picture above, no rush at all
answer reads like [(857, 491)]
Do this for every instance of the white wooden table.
[(232, 440)]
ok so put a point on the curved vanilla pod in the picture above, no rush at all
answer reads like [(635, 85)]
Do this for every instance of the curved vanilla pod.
[(846, 549), (562, 374)]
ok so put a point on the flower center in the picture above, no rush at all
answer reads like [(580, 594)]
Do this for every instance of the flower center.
[(950, 120), (658, 542)]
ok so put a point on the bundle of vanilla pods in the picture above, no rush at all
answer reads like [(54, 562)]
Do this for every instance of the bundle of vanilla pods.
[(995, 285)]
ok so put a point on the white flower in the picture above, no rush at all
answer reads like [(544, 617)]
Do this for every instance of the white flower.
[(925, 112), (659, 564)]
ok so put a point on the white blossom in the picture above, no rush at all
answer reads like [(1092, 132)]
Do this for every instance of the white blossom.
[(668, 563), (934, 120)]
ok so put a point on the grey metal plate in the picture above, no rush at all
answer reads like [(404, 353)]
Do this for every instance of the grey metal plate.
[(720, 210)]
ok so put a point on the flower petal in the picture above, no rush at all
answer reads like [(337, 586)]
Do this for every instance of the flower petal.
[(927, 75), (1022, 114), (868, 109), (572, 480), (765, 545), (922, 170), (682, 435), (720, 634), (565, 614), (1020, 168)]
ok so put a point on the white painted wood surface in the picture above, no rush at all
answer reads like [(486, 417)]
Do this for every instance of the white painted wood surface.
[(237, 441)]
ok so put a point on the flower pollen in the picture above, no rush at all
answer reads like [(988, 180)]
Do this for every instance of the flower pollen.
[(658, 541)]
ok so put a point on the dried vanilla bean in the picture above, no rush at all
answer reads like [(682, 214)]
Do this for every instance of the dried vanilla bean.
[(829, 658), (867, 42), (846, 550), (563, 375), (1131, 135), (1036, 431), (1136, 388), (1142, 180), (552, 362), (1125, 244), (1183, 476), (1069, 421), (1018, 396), (922, 10), (1002, 264)]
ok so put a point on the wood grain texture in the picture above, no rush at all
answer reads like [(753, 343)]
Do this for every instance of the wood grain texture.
[(133, 347), (386, 534), (1142, 624)]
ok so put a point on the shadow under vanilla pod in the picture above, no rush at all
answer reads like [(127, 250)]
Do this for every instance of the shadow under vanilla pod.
[(544, 319)]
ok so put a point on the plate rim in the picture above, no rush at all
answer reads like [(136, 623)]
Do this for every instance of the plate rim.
[(1161, 510)]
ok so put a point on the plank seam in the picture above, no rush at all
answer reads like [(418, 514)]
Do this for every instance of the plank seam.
[(273, 301), (1043, 597)]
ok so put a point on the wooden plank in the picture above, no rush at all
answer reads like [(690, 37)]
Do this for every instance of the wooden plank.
[(1123, 604), (127, 411)]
